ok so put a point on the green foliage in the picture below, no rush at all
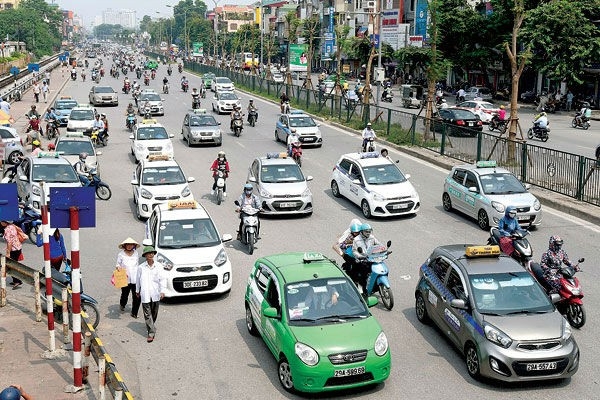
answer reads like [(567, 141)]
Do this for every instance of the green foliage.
[(107, 30)]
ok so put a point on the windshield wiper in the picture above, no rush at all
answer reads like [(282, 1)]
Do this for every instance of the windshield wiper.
[(525, 312), (340, 317), (303, 320)]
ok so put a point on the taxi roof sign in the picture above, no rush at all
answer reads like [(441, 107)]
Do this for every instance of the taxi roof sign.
[(158, 157), (283, 154), (49, 154), (199, 110), (75, 134), (309, 257), (296, 112), (486, 164), (183, 205), (482, 251), (149, 121), (370, 154)]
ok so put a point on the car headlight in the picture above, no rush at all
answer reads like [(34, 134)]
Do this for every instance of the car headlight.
[(306, 193), (145, 194), (381, 344), (496, 336), (498, 206), (186, 192), (377, 196), (35, 190), (537, 205), (264, 193), (221, 258), (217, 133), (318, 132), (306, 354), (159, 105), (167, 264), (566, 330)]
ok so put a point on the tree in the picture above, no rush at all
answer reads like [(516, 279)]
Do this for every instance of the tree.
[(311, 27), (292, 22)]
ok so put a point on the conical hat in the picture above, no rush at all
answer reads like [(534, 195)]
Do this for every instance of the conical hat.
[(129, 240)]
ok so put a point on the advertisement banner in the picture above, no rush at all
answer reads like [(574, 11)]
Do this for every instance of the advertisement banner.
[(197, 49), (298, 57), (389, 28)]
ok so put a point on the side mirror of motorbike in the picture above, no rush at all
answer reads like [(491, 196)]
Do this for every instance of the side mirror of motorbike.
[(389, 243), (237, 203), (581, 260)]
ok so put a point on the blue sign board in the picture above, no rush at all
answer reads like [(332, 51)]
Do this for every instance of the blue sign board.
[(67, 54), (421, 18), (9, 202), (33, 67), (14, 70), (329, 44), (63, 198), (375, 40), (62, 58)]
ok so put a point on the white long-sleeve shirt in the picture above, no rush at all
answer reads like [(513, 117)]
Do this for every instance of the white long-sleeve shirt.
[(151, 282), (130, 263)]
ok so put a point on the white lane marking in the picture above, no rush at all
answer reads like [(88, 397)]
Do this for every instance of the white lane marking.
[(571, 218)]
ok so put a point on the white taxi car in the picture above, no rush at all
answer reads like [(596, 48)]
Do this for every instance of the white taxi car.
[(225, 101), (71, 145), (81, 119), (150, 138), (190, 249), (483, 191), (375, 184), (157, 180)]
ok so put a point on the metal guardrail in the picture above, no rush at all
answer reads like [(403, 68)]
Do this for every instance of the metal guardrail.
[(569, 174), (15, 92)]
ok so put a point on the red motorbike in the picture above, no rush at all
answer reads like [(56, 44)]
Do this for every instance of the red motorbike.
[(146, 81), (102, 72), (126, 87), (297, 153), (570, 304), (153, 74)]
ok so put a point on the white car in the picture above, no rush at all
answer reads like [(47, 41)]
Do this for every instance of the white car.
[(71, 145), (152, 101), (484, 109), (81, 119), (221, 83), (375, 184), (150, 138), (13, 144), (225, 101), (157, 180), (190, 249), (278, 77)]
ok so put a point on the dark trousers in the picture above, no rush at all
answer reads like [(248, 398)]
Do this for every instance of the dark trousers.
[(135, 301), (150, 315), (14, 255)]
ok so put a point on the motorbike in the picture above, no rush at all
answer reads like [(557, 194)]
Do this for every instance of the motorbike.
[(116, 74), (195, 102), (88, 303), (102, 190), (238, 126), (185, 86), (220, 186), (130, 122), (297, 152), (285, 107), (52, 130), (153, 74), (369, 145), (378, 278), (126, 87), (180, 68), (83, 76), (10, 172), (86, 63), (146, 81), (249, 232), (30, 221), (497, 124), (169, 71), (523, 252), (570, 304), (124, 70), (538, 133), (580, 121), (95, 138), (138, 73), (203, 92), (252, 117), (102, 72), (387, 95), (166, 88), (73, 76)]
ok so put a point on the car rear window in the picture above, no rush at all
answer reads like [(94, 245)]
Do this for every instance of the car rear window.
[(72, 147), (463, 114)]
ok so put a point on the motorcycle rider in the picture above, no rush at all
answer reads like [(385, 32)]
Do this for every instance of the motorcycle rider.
[(202, 88), (98, 125), (292, 137), (500, 117), (367, 133), (51, 119), (165, 84), (366, 241), (508, 225), (33, 111), (443, 104), (146, 78), (195, 98), (104, 131), (251, 108), (552, 260), (34, 125), (126, 83), (129, 111), (169, 70), (282, 99), (184, 82), (584, 114), (387, 92), (343, 246), (235, 114), (220, 164), (83, 169), (247, 199), (540, 121)]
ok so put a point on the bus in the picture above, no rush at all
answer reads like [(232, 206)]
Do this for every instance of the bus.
[(245, 60)]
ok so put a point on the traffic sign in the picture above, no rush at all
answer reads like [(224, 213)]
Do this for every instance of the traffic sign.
[(33, 67), (9, 202), (14, 70), (63, 198)]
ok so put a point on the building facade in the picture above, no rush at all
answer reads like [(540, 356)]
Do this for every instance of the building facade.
[(125, 18)]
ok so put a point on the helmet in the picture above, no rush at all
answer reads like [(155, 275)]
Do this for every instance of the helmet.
[(36, 143), (221, 154), (443, 100), (355, 228), (510, 210), (33, 106), (83, 156), (247, 188), (251, 101), (543, 113), (51, 146), (555, 243), (10, 393), (366, 230), (368, 124), (358, 81), (502, 107)]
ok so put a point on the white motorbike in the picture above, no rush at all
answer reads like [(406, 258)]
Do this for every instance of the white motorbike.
[(220, 186), (249, 232)]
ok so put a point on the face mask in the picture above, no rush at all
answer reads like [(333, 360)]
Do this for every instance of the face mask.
[(221, 159)]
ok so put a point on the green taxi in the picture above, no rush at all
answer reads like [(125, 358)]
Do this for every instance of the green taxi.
[(208, 79), (315, 323), (151, 64)]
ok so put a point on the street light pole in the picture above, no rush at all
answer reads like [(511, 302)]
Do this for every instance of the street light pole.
[(380, 48)]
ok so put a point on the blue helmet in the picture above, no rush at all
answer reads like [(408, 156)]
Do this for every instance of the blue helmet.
[(366, 230), (10, 393), (355, 228), (248, 188)]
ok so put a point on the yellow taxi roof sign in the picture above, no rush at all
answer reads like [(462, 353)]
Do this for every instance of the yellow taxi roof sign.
[(149, 121), (182, 205), (158, 157), (482, 251)]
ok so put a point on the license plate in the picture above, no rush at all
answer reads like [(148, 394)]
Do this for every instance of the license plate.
[(155, 153), (287, 205), (192, 284), (523, 217), (205, 137), (399, 206), (309, 139), (349, 371), (543, 366), (470, 123)]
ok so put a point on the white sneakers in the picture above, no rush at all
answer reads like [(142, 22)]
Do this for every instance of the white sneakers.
[(224, 194), (212, 192)]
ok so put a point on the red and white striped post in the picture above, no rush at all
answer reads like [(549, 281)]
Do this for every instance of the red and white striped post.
[(48, 271), (76, 286)]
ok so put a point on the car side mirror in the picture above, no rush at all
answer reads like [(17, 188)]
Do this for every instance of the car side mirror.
[(252, 179), (226, 237), (98, 153), (219, 123), (389, 243), (23, 178), (171, 135), (134, 182), (555, 298), (407, 176), (473, 189), (191, 179), (271, 312), (131, 137), (461, 304), (356, 182), (527, 186), (309, 178)]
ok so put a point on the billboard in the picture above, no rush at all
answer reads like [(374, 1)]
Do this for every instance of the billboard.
[(421, 18), (197, 49), (390, 30), (298, 57)]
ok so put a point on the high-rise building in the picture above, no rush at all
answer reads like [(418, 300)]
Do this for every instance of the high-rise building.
[(8, 4), (125, 18)]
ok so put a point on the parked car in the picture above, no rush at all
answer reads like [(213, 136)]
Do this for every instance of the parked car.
[(478, 92), (457, 122)]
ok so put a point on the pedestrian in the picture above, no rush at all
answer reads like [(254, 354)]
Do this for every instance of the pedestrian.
[(45, 90), (58, 251), (150, 287), (47, 77), (128, 259), (569, 100), (4, 105), (14, 392), (13, 247), (36, 92)]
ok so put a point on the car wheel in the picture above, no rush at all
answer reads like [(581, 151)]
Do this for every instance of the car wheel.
[(421, 309), (137, 212), (285, 375), (446, 202), (472, 361), (276, 137), (482, 220), (250, 322), (13, 158), (335, 190), (366, 209)]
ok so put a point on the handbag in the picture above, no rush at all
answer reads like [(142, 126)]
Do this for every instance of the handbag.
[(119, 278), (39, 240), (21, 235)]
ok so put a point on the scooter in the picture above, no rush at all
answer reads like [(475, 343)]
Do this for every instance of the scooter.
[(138, 73), (249, 232), (73, 76), (166, 88), (523, 252), (153, 74), (126, 88), (538, 133), (238, 126), (102, 190), (95, 138), (184, 86), (570, 304), (285, 107), (30, 221), (52, 130), (378, 279), (195, 102), (252, 117), (169, 71), (220, 193), (180, 68), (131, 122), (498, 125), (88, 303), (387, 95), (146, 81), (580, 122), (297, 152), (369, 145)]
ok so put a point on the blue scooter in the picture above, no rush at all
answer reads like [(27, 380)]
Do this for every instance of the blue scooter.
[(378, 279)]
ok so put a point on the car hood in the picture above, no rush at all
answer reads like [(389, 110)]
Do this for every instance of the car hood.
[(331, 338), (516, 200), (152, 142), (212, 128), (291, 188), (518, 327), (150, 102), (393, 190), (192, 255), (100, 94), (307, 130)]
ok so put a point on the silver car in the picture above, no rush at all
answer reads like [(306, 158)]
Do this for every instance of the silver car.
[(103, 95), (13, 145), (152, 101), (496, 314), (201, 128)]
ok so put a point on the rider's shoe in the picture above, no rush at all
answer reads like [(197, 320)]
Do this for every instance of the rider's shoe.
[(224, 194), (212, 192)]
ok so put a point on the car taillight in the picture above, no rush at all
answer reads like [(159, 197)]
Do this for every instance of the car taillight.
[(460, 122)]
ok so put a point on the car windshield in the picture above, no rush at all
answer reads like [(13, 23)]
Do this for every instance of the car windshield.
[(163, 176), (302, 122), (54, 173), (150, 97), (463, 114), (501, 183), (281, 173), (323, 301), (386, 174), (202, 120), (209, 76), (82, 115), (227, 96), (184, 233), (73, 147), (152, 133), (103, 89), (65, 105), (222, 80), (508, 293)]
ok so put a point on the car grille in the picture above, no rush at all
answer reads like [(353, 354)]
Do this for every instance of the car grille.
[(213, 280), (194, 269), (348, 380), (348, 357), (174, 197), (538, 346), (405, 206), (206, 133), (107, 98), (155, 148), (520, 367), (284, 196)]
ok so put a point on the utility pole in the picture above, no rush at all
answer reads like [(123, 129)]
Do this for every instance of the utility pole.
[(380, 48)]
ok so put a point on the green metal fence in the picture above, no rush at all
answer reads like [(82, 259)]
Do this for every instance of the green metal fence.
[(569, 174)]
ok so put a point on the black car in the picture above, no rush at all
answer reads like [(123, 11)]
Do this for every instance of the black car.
[(458, 122), (529, 96)]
